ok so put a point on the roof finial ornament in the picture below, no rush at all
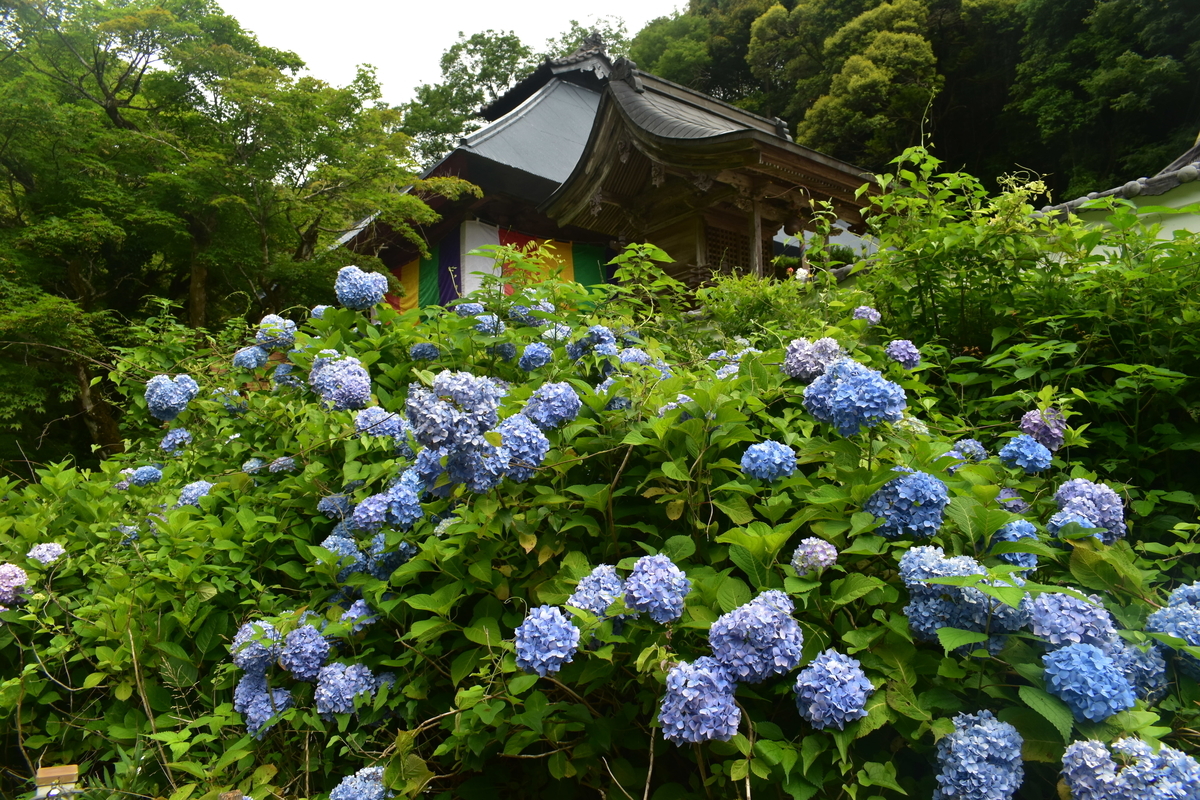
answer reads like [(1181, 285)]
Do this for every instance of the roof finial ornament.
[(626, 70), (593, 41)]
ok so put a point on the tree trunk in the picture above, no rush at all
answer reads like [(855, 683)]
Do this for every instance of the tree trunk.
[(97, 414), (197, 291)]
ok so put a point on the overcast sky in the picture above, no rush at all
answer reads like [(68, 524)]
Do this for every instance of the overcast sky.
[(405, 39)]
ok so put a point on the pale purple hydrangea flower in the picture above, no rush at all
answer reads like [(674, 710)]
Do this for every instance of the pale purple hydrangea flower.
[(808, 361), (366, 784), (868, 315), (813, 555), (190, 495), (904, 353), (46, 552), (175, 440), (1046, 427), (12, 583)]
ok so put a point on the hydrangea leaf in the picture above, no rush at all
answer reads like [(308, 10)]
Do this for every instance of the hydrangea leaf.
[(874, 773), (1054, 710), (954, 638), (1041, 741)]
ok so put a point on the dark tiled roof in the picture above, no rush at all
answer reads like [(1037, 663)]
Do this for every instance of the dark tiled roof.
[(1184, 169), (543, 136)]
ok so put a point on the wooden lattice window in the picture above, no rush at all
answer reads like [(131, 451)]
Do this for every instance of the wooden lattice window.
[(727, 249)]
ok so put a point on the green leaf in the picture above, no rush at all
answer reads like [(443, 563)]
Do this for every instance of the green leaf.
[(677, 548), (900, 698), (852, 587), (874, 773), (954, 638), (754, 569), (732, 594), (1054, 710), (736, 508)]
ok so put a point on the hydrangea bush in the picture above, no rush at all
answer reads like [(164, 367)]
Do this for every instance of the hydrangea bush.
[(412, 567)]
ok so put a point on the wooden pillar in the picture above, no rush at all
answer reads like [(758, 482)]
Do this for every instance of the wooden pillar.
[(756, 264)]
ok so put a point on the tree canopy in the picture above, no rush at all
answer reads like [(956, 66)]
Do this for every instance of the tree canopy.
[(157, 149)]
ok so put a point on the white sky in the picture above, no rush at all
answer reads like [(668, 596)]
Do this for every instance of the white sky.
[(404, 39)]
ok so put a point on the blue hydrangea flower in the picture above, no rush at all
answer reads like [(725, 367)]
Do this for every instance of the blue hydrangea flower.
[(1024, 452), (337, 686), (343, 383), (175, 440), (480, 468), (404, 500), (934, 606), (282, 464), (282, 377), (678, 402), (1146, 671), (521, 314), (758, 640), (558, 332), (505, 351), (808, 361), (1183, 622), (251, 357), (253, 465), (904, 353), (1090, 772), (190, 495), (347, 550), (358, 290), (304, 653), (468, 309), (813, 555), (318, 312), (980, 760), (1186, 595), (381, 562), (375, 421), (616, 402), (849, 396), (769, 461), (1011, 500), (552, 405), (275, 332), (545, 641), (456, 412), (424, 351), (1046, 427), (167, 398), (597, 591), (255, 646), (1015, 531), (867, 315), (1165, 774), (832, 691), (598, 339), (1095, 502), (534, 356), (909, 505), (1062, 620), (698, 705), (1062, 519), (359, 615), (336, 506), (144, 476), (526, 445), (1088, 681), (489, 324), (366, 784), (259, 708), (657, 587), (46, 552)]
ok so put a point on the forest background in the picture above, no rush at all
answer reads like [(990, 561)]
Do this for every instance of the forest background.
[(156, 149)]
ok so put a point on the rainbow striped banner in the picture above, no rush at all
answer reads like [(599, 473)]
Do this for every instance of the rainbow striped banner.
[(450, 272)]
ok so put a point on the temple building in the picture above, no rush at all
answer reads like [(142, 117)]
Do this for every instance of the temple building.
[(589, 155)]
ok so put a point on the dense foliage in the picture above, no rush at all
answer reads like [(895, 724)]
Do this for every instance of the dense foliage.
[(398, 557), (156, 148), (1091, 93)]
